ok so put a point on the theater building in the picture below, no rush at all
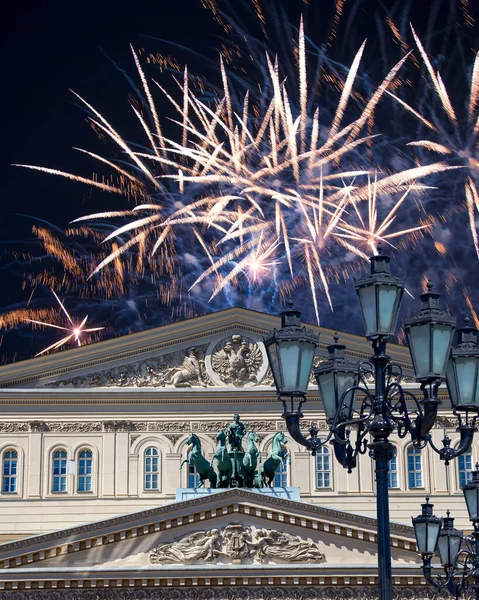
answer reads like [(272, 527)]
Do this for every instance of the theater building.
[(95, 506)]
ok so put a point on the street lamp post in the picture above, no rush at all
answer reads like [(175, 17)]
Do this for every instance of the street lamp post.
[(458, 553), (361, 418)]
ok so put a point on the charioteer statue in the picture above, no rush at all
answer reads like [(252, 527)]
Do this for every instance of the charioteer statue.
[(235, 433), (236, 467)]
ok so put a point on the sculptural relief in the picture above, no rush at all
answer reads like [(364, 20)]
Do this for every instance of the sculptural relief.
[(238, 543), (237, 361), (184, 368)]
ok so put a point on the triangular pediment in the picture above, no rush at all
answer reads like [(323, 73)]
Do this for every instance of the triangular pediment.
[(222, 349), (232, 527)]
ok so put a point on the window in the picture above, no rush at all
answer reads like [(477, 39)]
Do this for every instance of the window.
[(59, 482), (193, 477), (151, 469), (10, 463), (414, 467), (464, 468), (84, 475), (281, 477), (323, 472), (393, 472)]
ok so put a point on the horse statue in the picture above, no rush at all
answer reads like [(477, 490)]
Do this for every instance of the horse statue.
[(250, 459), (268, 469), (224, 466), (196, 458)]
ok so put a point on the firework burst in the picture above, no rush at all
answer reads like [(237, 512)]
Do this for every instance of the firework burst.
[(75, 331), (266, 188)]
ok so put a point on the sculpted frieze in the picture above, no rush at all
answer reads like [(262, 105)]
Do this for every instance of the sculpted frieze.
[(183, 368), (13, 427), (270, 592), (110, 426), (169, 426), (237, 543)]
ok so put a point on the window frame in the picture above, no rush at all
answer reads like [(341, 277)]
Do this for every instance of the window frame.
[(11, 476), (84, 476), (416, 452), (64, 475), (282, 472), (394, 471), (468, 454), (322, 452), (149, 472)]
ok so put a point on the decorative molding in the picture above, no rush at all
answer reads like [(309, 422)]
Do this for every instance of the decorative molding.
[(445, 422), (183, 368), (228, 592), (237, 361), (237, 543), (13, 427), (167, 426), (122, 426)]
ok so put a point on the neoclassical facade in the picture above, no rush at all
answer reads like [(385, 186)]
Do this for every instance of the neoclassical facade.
[(94, 504)]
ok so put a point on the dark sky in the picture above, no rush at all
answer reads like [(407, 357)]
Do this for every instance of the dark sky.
[(50, 47)]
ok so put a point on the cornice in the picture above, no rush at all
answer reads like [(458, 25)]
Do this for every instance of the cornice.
[(179, 514)]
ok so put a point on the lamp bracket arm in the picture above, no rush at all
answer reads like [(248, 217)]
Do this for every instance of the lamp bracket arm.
[(439, 582), (313, 443), (364, 413), (394, 374)]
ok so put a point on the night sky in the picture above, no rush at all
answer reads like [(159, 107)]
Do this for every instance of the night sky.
[(50, 47)]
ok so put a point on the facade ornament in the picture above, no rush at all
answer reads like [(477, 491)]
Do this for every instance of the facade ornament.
[(183, 368), (445, 422), (238, 543), (237, 361), (123, 426), (168, 426), (13, 427), (173, 437), (209, 592), (191, 371)]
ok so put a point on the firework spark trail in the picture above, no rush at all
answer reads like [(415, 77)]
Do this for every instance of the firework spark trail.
[(75, 330), (459, 137)]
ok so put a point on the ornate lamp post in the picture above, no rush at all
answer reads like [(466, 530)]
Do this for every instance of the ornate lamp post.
[(361, 418), (458, 553)]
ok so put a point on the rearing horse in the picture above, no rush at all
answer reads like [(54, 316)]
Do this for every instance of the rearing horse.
[(223, 462), (196, 458), (271, 464), (250, 459)]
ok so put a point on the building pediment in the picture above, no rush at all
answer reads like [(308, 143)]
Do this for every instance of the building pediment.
[(209, 536), (219, 350)]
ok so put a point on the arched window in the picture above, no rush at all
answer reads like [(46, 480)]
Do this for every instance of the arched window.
[(464, 468), (323, 469), (59, 481), (414, 468), (84, 474), (10, 463), (151, 469), (281, 476), (393, 472), (193, 477)]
